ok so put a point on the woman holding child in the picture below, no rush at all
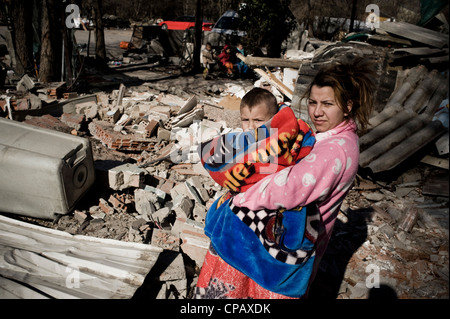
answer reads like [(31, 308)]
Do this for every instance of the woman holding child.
[(287, 184)]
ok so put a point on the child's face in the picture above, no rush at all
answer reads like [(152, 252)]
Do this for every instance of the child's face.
[(208, 47), (254, 118)]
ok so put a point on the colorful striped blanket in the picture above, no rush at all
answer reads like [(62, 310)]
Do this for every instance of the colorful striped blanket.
[(274, 248)]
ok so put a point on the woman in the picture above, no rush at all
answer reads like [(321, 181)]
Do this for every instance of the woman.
[(340, 101)]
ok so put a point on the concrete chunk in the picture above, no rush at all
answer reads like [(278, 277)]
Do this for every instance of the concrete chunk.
[(182, 206), (165, 239), (144, 202), (125, 176), (197, 186)]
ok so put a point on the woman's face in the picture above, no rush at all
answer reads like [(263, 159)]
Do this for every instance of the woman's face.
[(323, 109)]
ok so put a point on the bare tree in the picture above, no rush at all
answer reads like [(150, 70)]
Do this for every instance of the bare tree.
[(198, 34), (22, 32), (100, 50)]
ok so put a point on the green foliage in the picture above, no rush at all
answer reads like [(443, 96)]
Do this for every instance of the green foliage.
[(267, 23)]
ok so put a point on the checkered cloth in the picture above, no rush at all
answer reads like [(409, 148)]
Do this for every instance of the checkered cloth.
[(264, 225)]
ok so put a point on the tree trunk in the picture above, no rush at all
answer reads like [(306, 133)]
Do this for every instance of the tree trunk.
[(51, 50), (198, 35), (353, 16), (21, 18), (100, 50)]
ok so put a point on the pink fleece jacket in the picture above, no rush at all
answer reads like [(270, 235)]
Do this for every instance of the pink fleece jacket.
[(324, 176)]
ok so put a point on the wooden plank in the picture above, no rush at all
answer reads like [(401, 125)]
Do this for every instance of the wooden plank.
[(272, 62), (416, 33), (275, 82), (287, 91), (435, 161), (45, 259), (422, 51)]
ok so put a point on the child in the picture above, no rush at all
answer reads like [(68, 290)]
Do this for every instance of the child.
[(252, 243), (257, 107), (226, 59), (240, 65), (208, 59)]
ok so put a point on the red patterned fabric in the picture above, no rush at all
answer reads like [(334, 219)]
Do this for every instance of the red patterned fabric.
[(218, 280)]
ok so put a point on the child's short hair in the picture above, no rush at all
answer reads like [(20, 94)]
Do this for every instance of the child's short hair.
[(257, 96)]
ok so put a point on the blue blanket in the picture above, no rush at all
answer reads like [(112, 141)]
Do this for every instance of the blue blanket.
[(278, 258)]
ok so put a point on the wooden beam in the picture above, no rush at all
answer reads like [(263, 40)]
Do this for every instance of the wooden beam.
[(416, 33), (435, 161), (60, 265), (272, 62), (275, 82)]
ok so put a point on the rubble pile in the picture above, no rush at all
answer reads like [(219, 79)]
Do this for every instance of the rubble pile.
[(390, 241), (150, 187)]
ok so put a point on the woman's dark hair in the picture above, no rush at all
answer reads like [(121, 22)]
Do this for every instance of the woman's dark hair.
[(352, 83)]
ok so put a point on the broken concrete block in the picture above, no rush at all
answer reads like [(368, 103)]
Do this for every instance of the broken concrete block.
[(80, 215), (180, 189), (165, 239), (182, 135), (198, 188), (193, 155), (199, 169), (73, 120), (28, 102), (144, 202), (205, 130), (125, 176), (161, 195), (124, 120), (187, 225), (120, 94), (169, 99), (158, 113), (199, 212), (92, 112), (163, 134), (114, 114), (104, 206), (182, 206), (116, 202), (161, 214), (151, 127), (194, 242), (25, 84), (139, 224), (167, 185), (82, 108)]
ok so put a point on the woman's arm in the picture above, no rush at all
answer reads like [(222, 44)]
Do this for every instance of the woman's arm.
[(330, 167)]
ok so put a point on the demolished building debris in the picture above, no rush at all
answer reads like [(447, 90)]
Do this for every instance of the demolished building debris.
[(152, 194)]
